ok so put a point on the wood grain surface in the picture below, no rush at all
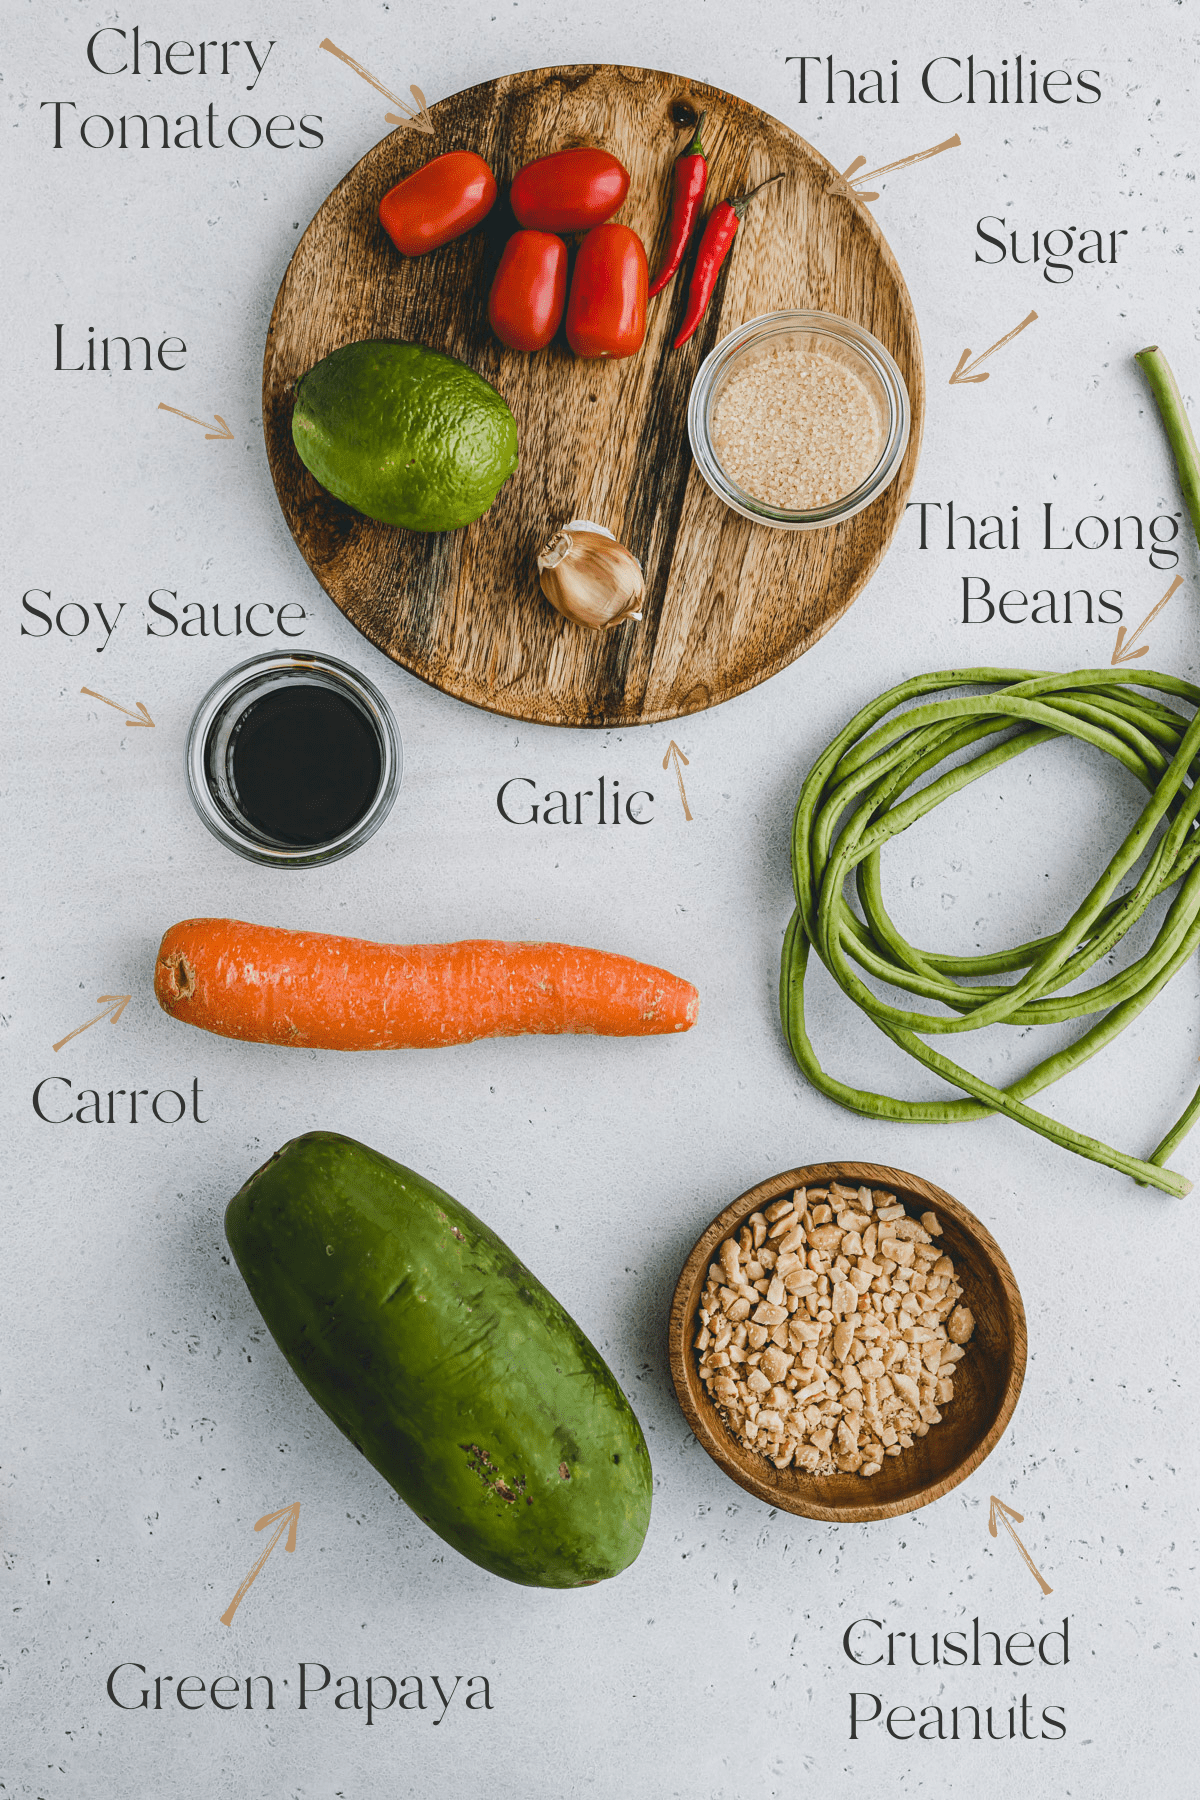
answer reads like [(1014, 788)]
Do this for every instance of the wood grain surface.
[(728, 602), (987, 1381)]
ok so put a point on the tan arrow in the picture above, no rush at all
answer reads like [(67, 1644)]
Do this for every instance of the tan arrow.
[(1121, 652), (107, 1001), (131, 718), (1005, 1515), (224, 436), (851, 175), (962, 372), (677, 753), (419, 120), (286, 1519)]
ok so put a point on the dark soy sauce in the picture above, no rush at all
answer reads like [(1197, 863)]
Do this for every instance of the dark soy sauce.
[(304, 764)]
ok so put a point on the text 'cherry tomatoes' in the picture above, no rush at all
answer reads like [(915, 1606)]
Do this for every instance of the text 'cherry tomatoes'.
[(441, 201), (530, 290), (606, 314), (569, 191)]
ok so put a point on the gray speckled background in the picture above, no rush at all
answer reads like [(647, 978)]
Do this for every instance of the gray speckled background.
[(149, 1420)]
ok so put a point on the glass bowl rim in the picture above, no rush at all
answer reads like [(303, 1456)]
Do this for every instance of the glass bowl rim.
[(293, 663), (776, 324)]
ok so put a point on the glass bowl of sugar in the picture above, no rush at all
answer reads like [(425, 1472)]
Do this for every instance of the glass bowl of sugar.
[(798, 420)]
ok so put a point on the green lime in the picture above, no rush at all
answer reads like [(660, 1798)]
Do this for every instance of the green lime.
[(404, 434)]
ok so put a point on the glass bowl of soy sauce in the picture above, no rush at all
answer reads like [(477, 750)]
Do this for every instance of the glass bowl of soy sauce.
[(293, 761)]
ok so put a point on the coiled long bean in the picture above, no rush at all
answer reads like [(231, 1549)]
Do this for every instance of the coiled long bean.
[(861, 791)]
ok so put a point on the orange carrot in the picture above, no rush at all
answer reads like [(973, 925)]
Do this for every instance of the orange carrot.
[(271, 986)]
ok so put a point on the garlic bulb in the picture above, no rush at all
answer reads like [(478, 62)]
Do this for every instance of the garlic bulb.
[(590, 578)]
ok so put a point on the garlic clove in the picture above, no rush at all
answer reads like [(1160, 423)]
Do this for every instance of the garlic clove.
[(589, 578)]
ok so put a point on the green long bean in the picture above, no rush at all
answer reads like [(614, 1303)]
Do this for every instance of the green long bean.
[(862, 791), (1180, 435)]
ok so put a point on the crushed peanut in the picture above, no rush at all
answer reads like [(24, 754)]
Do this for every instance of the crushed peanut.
[(830, 1329)]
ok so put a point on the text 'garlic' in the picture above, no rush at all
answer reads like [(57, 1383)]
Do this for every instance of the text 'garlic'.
[(590, 578)]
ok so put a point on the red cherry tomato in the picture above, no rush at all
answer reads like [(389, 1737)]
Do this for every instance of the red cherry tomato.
[(441, 201), (606, 314), (526, 303), (569, 191)]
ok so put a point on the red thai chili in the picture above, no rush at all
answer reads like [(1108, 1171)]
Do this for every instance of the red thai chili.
[(719, 234), (691, 174)]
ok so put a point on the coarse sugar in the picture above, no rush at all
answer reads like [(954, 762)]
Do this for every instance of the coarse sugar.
[(797, 427)]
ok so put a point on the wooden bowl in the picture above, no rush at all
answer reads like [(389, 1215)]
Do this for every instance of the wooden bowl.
[(986, 1384)]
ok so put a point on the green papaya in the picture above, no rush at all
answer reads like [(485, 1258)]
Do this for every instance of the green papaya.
[(453, 1370)]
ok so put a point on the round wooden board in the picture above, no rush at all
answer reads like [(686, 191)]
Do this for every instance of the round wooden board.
[(728, 603)]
